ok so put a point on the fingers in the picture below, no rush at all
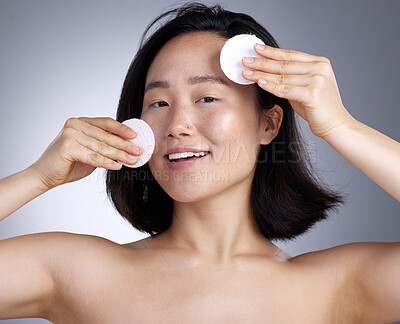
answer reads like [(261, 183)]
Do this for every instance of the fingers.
[(281, 85), (287, 73), (110, 125), (278, 67), (300, 80), (281, 54), (287, 91), (286, 61), (102, 137), (100, 154)]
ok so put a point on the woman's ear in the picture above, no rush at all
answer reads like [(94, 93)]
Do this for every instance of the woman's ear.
[(271, 123)]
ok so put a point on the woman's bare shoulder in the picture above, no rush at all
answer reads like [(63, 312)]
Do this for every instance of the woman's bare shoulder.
[(347, 253), (365, 279), (339, 266), (342, 264), (74, 253), (77, 246), (67, 241), (61, 242)]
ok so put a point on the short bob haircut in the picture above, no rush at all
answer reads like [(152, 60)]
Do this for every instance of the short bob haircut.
[(286, 199)]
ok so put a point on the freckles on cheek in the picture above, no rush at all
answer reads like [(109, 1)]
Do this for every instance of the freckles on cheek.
[(225, 131), (156, 128), (223, 126), (158, 134)]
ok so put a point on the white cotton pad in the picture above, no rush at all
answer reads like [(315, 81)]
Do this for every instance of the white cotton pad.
[(232, 54), (144, 139)]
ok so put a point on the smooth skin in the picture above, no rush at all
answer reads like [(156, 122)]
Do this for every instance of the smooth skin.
[(234, 275)]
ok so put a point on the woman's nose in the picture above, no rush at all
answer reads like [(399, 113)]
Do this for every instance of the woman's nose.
[(179, 123)]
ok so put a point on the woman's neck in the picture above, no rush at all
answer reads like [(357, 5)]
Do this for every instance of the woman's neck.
[(218, 229)]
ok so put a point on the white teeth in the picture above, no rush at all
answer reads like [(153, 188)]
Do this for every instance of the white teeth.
[(176, 156)]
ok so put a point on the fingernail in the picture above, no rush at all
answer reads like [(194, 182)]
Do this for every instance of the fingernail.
[(132, 156), (131, 132), (262, 81), (248, 60), (260, 47), (248, 72)]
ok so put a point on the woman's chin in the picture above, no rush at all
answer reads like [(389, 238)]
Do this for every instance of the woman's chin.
[(186, 194)]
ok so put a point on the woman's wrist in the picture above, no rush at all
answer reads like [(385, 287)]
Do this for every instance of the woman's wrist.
[(36, 181), (372, 152), (342, 130), (18, 189)]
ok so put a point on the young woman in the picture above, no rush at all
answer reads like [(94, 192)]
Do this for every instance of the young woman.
[(209, 258)]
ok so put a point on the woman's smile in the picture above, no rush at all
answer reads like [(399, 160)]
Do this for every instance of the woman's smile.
[(182, 163)]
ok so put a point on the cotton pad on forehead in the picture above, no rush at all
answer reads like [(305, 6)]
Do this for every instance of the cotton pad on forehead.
[(232, 54), (144, 139)]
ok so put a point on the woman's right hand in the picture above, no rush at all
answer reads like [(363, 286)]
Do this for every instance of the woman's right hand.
[(83, 145)]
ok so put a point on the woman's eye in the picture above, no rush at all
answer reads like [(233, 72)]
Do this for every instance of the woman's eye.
[(163, 103), (209, 99), (153, 104)]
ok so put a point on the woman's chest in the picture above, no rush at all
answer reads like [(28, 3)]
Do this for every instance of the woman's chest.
[(178, 295)]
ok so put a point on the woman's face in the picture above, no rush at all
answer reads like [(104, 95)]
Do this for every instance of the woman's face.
[(188, 87)]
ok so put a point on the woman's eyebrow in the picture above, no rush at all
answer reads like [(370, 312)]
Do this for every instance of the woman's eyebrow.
[(206, 78), (211, 78)]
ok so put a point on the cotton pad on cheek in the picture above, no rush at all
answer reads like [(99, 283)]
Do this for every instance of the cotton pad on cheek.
[(144, 139), (232, 54)]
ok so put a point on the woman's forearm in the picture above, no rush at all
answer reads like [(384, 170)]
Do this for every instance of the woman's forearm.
[(375, 154), (18, 189)]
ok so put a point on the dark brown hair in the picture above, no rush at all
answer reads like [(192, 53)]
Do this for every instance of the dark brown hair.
[(286, 197)]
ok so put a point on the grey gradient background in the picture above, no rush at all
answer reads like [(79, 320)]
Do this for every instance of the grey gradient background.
[(61, 59)]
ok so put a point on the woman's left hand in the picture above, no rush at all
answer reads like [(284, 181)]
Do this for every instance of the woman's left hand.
[(306, 80)]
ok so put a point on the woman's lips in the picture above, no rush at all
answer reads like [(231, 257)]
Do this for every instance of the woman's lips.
[(185, 163)]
